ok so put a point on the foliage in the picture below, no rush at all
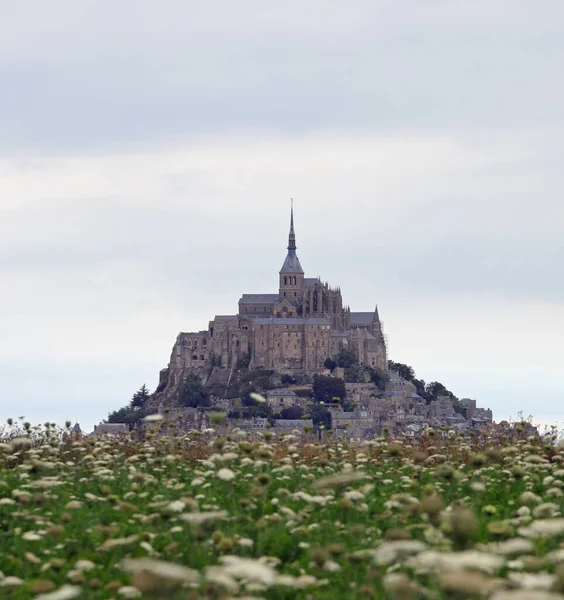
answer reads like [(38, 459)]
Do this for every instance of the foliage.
[(325, 388), (346, 358), (244, 361), (230, 517), (354, 373), (329, 364), (193, 393), (402, 370), (287, 379), (134, 412), (292, 412), (379, 378), (140, 397), (320, 415)]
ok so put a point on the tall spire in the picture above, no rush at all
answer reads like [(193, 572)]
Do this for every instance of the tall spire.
[(292, 236), (292, 263)]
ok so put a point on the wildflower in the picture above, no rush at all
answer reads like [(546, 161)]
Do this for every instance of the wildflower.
[(339, 479), (226, 474), (66, 592), (198, 518), (543, 528), (432, 560), (401, 586), (128, 591), (11, 581), (468, 583), (151, 576), (249, 569), (390, 552), (257, 397)]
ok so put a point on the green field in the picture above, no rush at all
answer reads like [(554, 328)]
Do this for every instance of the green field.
[(210, 516)]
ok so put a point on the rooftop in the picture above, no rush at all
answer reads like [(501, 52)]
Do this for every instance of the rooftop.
[(259, 299), (292, 321)]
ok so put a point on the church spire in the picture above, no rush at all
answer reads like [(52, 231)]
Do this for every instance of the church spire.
[(292, 236), (292, 263)]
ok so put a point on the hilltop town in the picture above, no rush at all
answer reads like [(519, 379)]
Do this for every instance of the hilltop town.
[(318, 364)]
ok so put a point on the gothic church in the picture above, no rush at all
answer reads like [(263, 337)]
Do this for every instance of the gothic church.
[(296, 329)]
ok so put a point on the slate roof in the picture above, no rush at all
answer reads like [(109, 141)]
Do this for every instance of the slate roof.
[(362, 318), (309, 281), (273, 393), (292, 263), (224, 318), (292, 321), (259, 299)]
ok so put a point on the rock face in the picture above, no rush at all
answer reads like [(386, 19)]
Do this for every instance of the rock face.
[(294, 330)]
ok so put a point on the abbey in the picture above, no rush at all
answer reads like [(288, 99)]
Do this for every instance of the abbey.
[(295, 329)]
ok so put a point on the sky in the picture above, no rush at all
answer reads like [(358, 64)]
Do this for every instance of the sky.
[(148, 151)]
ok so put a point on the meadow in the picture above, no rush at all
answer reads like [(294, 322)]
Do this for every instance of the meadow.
[(211, 515)]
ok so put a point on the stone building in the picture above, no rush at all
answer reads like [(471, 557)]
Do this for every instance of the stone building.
[(295, 329)]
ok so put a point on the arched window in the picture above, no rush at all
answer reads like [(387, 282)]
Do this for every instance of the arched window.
[(201, 357), (195, 357), (285, 280)]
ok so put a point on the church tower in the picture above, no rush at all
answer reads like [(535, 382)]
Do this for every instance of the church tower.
[(291, 273)]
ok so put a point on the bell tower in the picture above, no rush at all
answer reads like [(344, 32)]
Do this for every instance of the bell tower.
[(291, 273)]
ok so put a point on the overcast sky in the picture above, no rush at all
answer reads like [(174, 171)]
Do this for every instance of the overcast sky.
[(148, 151)]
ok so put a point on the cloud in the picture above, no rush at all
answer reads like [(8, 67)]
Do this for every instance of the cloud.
[(97, 74)]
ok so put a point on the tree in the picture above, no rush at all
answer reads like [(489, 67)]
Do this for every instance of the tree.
[(325, 388), (402, 370), (287, 379), (320, 415), (140, 397), (379, 378), (354, 373), (193, 393), (292, 412), (347, 358), (435, 390), (329, 364)]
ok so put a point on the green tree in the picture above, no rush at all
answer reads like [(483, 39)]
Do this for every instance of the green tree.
[(320, 415), (193, 393), (140, 397), (287, 379), (380, 378), (292, 412), (347, 358), (329, 364), (402, 370), (325, 388)]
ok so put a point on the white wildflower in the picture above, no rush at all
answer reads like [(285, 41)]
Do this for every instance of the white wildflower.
[(257, 397), (66, 592), (176, 506), (470, 559), (84, 565), (390, 552), (164, 570), (31, 536), (543, 528), (197, 518), (225, 474), (128, 591), (533, 581), (153, 418), (248, 569), (11, 581)]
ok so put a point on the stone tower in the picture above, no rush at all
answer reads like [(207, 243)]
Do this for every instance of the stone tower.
[(291, 273)]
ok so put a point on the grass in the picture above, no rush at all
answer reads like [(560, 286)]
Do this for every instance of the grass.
[(210, 516)]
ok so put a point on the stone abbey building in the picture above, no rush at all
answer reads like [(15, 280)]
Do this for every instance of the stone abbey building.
[(295, 329)]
